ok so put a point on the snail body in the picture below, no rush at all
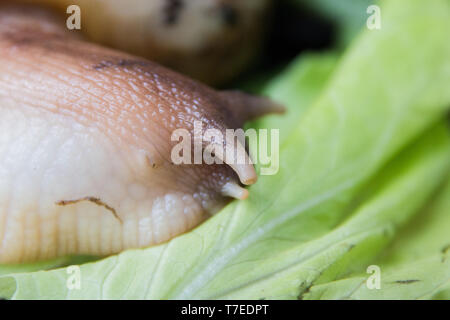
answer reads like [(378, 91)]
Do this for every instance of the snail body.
[(86, 142)]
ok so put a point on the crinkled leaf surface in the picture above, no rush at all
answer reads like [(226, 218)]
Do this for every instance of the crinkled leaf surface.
[(417, 266), (354, 168)]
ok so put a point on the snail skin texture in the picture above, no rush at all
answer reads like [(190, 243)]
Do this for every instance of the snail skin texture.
[(85, 145), (209, 40)]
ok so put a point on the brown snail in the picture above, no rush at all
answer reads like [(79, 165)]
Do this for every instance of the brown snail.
[(209, 40), (85, 144)]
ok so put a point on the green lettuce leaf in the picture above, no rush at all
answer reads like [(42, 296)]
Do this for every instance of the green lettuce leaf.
[(356, 164), (417, 266)]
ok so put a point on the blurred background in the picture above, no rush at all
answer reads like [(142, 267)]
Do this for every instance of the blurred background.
[(218, 41)]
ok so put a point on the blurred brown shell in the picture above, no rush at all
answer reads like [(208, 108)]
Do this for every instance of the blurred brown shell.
[(209, 40)]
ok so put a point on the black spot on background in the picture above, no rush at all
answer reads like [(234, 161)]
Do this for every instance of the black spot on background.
[(172, 11), (291, 31), (229, 14), (295, 30)]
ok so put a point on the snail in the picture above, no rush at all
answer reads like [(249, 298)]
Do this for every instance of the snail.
[(209, 40), (86, 142)]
